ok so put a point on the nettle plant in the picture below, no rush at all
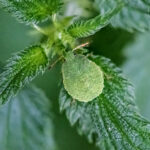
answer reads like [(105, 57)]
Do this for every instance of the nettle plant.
[(94, 94)]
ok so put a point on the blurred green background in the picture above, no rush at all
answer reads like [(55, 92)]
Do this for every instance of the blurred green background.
[(130, 51)]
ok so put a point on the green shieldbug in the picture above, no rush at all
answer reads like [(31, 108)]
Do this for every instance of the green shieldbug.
[(82, 78)]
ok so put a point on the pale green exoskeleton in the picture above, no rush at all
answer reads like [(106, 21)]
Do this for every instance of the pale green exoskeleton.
[(82, 78)]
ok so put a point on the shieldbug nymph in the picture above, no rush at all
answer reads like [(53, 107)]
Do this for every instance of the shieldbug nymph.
[(82, 78)]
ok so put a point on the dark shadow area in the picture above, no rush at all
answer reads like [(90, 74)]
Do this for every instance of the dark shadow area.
[(110, 42)]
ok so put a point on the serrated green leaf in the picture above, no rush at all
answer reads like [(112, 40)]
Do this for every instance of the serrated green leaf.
[(21, 69), (32, 11), (133, 16), (26, 122), (89, 27), (111, 120)]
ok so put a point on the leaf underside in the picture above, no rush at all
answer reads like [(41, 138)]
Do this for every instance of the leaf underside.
[(138, 70), (21, 69), (32, 11), (26, 122), (111, 120), (133, 16)]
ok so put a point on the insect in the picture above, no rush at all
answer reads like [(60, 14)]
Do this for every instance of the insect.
[(82, 78)]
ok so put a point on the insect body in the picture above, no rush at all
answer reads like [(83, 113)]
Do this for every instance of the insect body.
[(82, 78)]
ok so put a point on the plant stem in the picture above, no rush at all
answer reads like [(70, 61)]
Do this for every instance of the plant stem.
[(80, 46), (39, 29), (55, 62)]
